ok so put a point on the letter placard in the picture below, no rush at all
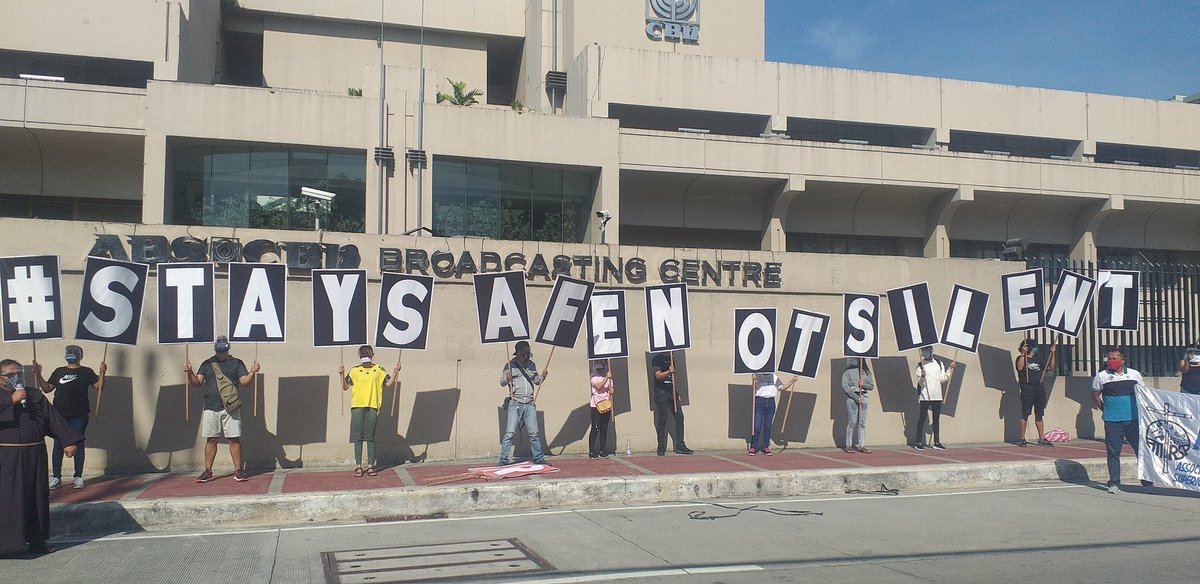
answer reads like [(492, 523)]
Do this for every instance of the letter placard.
[(964, 318), (110, 310), (31, 298), (1117, 300), (667, 320), (339, 305), (804, 343), (404, 305), (500, 303), (185, 303), (257, 299), (754, 340), (912, 316), (1024, 300), (565, 312), (861, 325), (1072, 298), (607, 327)]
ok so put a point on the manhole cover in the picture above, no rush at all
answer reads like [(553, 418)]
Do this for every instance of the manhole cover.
[(419, 563)]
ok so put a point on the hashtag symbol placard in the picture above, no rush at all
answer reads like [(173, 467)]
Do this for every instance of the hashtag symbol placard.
[(29, 287)]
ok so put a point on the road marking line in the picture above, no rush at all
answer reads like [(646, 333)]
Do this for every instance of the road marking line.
[(639, 574)]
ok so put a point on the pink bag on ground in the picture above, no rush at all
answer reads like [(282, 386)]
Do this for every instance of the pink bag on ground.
[(1058, 435)]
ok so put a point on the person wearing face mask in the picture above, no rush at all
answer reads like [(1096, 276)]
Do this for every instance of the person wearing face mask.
[(521, 377), (26, 418), (70, 385), (221, 375), (1031, 367), (857, 383), (1114, 389), (366, 383), (931, 376), (1189, 370)]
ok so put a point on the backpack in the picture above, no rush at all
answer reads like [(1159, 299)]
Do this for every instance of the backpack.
[(227, 389)]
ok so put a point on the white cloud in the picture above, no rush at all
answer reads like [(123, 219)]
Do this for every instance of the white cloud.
[(844, 43)]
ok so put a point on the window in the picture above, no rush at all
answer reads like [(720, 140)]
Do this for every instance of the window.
[(259, 186), (845, 244), (502, 200), (71, 208)]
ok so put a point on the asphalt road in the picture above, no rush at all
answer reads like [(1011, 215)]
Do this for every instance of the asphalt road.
[(1035, 533)]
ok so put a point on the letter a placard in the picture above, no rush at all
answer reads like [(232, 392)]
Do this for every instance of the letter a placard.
[(257, 297), (110, 310), (500, 303)]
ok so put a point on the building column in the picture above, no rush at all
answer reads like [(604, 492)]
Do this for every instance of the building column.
[(1088, 223), (774, 237), (937, 243), (154, 180)]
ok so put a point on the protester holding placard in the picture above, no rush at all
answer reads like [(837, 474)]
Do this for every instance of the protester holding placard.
[(1031, 367), (1189, 370), (1113, 390), (766, 387), (665, 404), (72, 383), (521, 377), (931, 376), (220, 375), (601, 407), (365, 382), (857, 382)]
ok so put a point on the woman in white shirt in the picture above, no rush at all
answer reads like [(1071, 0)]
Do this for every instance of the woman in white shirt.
[(931, 376), (766, 389)]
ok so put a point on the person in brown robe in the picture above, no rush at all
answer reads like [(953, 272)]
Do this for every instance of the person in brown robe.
[(26, 418)]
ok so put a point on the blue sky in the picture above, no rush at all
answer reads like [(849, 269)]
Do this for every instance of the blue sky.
[(1139, 48)]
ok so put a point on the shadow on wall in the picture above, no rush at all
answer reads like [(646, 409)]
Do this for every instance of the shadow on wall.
[(430, 422), (579, 422), (681, 378), (895, 391), (996, 367), (112, 429), (1079, 390), (171, 432), (520, 439), (793, 415)]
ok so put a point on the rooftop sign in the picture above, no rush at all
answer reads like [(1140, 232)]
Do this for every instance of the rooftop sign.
[(677, 21)]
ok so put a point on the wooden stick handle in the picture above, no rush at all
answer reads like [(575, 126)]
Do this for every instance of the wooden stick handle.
[(538, 389), (396, 384), (187, 384), (256, 381), (341, 380), (674, 390), (100, 382)]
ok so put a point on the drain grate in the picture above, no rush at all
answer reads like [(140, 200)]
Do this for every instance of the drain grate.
[(422, 563)]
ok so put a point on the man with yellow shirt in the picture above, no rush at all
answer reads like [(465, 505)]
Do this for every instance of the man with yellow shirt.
[(366, 383)]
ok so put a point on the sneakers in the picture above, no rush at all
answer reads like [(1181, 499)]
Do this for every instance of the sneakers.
[(205, 476), (919, 446), (750, 450), (593, 456), (1044, 442), (938, 445), (766, 451), (662, 452), (78, 482), (1114, 488), (682, 449), (1023, 443), (240, 476), (55, 482)]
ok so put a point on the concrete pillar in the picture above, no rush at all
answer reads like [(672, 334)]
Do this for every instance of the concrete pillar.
[(154, 179), (1088, 223), (774, 237), (941, 213)]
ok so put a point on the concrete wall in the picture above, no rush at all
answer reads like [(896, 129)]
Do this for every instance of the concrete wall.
[(449, 397), (485, 17)]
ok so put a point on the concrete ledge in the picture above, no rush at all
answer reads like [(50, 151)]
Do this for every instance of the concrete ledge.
[(259, 510)]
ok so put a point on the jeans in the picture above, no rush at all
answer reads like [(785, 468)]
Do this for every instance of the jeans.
[(664, 405), (362, 429), (79, 423), (522, 413), (926, 407), (856, 419), (598, 437), (764, 414), (1115, 433)]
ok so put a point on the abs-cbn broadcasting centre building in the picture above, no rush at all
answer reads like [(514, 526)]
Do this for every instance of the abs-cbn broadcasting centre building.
[(650, 128)]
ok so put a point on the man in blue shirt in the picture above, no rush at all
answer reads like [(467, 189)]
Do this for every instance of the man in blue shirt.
[(1113, 390)]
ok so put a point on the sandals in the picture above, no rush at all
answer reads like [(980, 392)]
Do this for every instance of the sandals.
[(371, 471), (358, 471)]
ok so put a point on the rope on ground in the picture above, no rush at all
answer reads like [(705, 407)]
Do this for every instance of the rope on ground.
[(740, 510), (882, 490)]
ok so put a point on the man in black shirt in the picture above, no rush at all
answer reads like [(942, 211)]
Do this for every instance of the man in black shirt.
[(222, 413), (70, 385), (664, 404), (1031, 367)]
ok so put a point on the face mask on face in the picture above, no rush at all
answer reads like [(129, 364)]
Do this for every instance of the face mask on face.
[(1114, 364), (365, 359)]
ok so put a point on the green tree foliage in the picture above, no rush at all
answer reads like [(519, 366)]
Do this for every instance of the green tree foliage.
[(460, 96)]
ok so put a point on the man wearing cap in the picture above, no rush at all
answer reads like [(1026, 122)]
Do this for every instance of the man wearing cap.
[(521, 377), (70, 385), (222, 414)]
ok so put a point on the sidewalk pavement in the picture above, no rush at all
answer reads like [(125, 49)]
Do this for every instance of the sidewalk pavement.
[(132, 503)]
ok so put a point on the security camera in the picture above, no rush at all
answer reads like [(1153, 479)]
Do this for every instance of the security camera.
[(604, 215), (317, 194)]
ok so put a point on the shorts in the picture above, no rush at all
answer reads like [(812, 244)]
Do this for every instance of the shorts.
[(1033, 400), (214, 424)]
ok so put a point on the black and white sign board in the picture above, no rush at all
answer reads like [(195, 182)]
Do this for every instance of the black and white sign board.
[(405, 302), (110, 308), (565, 312), (860, 326), (804, 343), (257, 299), (339, 305), (607, 326), (31, 298), (754, 340), (1069, 306), (185, 303), (1117, 300), (1024, 300), (912, 316), (501, 306), (668, 323), (964, 318)]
